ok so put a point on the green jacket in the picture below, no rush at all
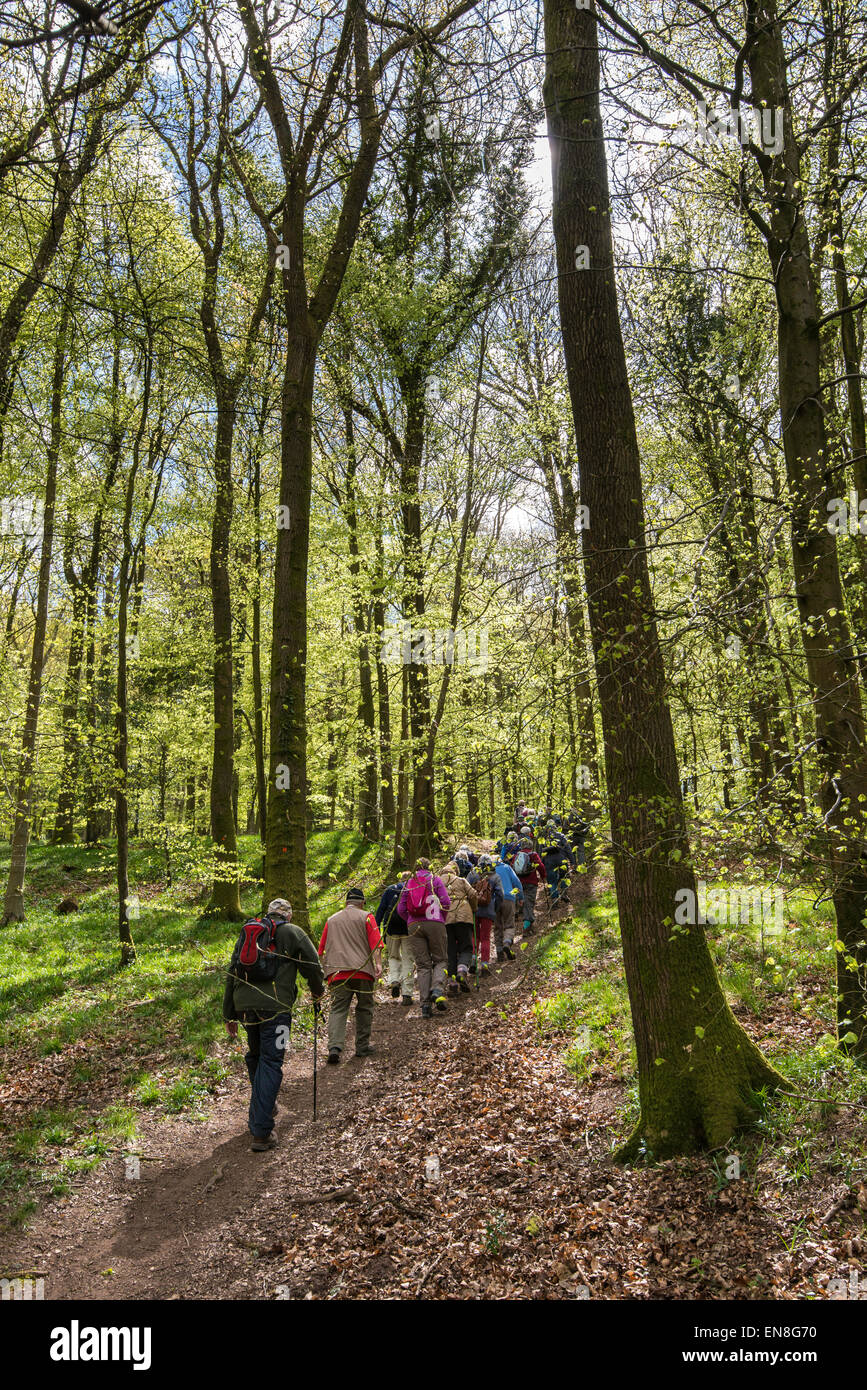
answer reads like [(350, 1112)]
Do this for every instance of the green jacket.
[(277, 995)]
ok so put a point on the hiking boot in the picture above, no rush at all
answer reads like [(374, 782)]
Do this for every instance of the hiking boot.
[(406, 999), (485, 970), (333, 1056), (262, 1143), (365, 1051), (452, 989), (395, 991), (440, 1003), (508, 952), (501, 955), (463, 983), (426, 1011)]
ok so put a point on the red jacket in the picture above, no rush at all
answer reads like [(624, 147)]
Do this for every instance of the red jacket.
[(537, 872)]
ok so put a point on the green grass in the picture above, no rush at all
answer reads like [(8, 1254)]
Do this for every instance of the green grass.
[(592, 1012), (155, 1026), (795, 963), (792, 965)]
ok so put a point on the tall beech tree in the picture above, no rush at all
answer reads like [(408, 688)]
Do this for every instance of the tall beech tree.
[(344, 85), (825, 631), (230, 339), (13, 903), (698, 1070)]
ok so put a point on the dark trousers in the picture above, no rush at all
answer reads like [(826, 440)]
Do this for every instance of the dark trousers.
[(460, 946), (557, 873), (267, 1045)]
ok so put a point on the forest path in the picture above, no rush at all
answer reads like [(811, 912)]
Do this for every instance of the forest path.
[(206, 1209), (528, 1205)]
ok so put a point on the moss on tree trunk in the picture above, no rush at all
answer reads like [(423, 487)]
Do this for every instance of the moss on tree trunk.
[(698, 1071)]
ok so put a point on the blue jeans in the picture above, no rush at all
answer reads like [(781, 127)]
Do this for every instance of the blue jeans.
[(267, 1045)]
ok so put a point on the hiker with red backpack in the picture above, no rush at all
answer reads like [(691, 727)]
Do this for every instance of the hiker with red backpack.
[(531, 872), (489, 892), (424, 903), (260, 993), (350, 949)]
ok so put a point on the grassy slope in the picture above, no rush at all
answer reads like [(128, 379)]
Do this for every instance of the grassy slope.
[(781, 990), (86, 1044)]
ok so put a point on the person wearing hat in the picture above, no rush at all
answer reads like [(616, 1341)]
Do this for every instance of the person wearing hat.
[(464, 860), (350, 953), (531, 872), (508, 846), (489, 900), (264, 1008), (558, 858)]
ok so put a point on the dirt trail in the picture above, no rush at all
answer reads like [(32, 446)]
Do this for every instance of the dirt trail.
[(529, 1204), (195, 1222)]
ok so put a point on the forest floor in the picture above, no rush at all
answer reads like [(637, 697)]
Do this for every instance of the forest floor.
[(528, 1203)]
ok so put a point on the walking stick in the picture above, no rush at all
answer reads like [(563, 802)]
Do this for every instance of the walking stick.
[(316, 1008)]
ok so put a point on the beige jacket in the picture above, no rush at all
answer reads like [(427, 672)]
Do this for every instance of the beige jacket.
[(464, 898), (350, 941)]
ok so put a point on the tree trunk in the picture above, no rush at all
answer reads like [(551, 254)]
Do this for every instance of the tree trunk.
[(423, 827), (286, 830), (64, 828), (121, 735), (831, 667), (225, 900), (401, 856), (368, 807), (698, 1071), (256, 654), (13, 907)]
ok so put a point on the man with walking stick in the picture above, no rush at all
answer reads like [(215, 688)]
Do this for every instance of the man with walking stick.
[(260, 993)]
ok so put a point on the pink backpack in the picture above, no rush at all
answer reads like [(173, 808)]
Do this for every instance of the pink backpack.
[(418, 892)]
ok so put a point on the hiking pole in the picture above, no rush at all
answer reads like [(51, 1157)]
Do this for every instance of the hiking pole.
[(316, 1008)]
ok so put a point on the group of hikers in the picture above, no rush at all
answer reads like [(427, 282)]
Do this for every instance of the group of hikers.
[(437, 929)]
